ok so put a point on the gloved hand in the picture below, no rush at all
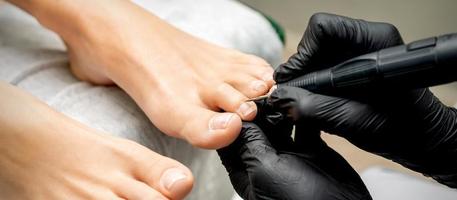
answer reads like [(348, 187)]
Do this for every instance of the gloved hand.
[(412, 127), (265, 164)]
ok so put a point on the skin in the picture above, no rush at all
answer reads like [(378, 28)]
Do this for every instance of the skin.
[(181, 82), (189, 89), (47, 155)]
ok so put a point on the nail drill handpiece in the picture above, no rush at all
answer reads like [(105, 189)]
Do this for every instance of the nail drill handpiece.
[(423, 63)]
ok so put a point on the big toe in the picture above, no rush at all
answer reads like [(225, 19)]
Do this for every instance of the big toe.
[(167, 176), (211, 130)]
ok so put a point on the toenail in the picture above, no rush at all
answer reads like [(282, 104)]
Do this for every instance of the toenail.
[(246, 109), (220, 121), (267, 76), (259, 86), (171, 177)]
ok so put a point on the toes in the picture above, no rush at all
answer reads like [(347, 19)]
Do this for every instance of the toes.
[(231, 100), (252, 82), (136, 190), (172, 182), (201, 126), (176, 181), (255, 60), (211, 130), (259, 68), (166, 176), (248, 85), (267, 76)]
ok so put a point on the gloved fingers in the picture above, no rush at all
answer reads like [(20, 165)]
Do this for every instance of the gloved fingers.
[(275, 126), (245, 156), (330, 39), (250, 138), (307, 138), (255, 145), (344, 179), (361, 36), (236, 169), (250, 147), (264, 113), (331, 114), (414, 105), (258, 171)]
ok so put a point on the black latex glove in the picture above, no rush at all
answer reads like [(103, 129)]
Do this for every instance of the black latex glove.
[(412, 127), (265, 164)]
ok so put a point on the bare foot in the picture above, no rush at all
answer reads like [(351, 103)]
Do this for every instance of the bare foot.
[(181, 82), (45, 155)]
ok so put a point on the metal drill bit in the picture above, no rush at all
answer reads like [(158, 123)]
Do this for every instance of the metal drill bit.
[(264, 96), (259, 98)]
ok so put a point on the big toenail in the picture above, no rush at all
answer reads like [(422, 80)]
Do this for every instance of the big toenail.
[(259, 86), (246, 109), (220, 121), (171, 177)]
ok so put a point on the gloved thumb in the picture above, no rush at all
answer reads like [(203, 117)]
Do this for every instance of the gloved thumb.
[(242, 158)]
